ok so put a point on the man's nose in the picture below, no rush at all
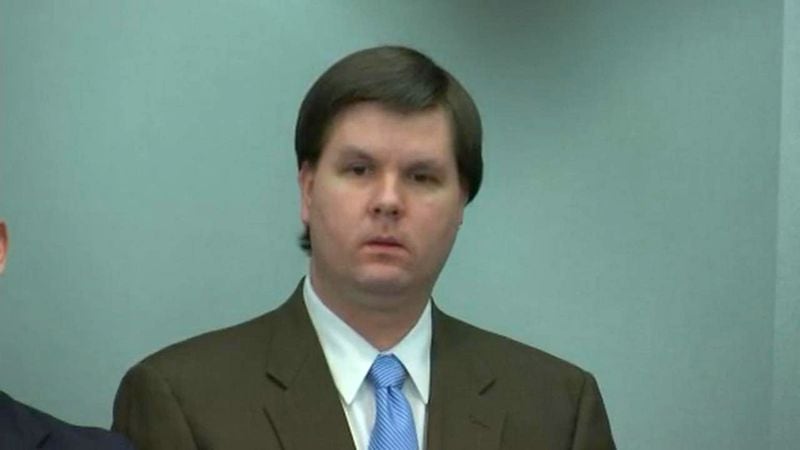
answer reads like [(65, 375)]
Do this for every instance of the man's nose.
[(388, 199)]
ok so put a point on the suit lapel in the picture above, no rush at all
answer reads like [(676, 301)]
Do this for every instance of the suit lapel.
[(462, 412), (302, 402)]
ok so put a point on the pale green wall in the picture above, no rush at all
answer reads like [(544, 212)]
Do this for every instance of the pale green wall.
[(786, 376), (628, 220)]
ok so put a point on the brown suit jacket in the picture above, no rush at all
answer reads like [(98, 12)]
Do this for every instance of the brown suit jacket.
[(265, 384)]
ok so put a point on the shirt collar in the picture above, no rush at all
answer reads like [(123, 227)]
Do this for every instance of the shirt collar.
[(350, 356)]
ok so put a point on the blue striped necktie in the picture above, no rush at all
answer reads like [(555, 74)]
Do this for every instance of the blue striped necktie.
[(394, 423)]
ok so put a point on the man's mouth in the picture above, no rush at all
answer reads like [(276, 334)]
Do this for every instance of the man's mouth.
[(385, 242)]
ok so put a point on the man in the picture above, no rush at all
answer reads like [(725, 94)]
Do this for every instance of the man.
[(22, 427), (389, 152)]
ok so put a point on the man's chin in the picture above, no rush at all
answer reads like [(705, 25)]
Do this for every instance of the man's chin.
[(385, 281)]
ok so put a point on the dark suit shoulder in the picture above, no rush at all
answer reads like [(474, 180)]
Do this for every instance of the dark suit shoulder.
[(221, 344), (502, 354), (213, 366), (208, 391), (547, 401), (22, 426)]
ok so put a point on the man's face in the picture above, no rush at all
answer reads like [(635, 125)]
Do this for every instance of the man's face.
[(384, 201)]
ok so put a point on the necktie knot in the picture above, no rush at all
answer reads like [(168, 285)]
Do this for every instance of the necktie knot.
[(387, 371)]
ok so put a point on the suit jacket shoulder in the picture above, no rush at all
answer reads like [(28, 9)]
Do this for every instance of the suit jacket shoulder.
[(202, 358), (175, 397), (24, 427), (501, 354), (507, 394), (260, 384)]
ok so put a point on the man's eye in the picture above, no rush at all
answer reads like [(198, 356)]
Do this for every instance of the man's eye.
[(358, 170), (423, 178)]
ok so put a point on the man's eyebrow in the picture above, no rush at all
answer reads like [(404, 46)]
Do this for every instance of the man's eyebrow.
[(426, 164), (354, 153), (422, 163)]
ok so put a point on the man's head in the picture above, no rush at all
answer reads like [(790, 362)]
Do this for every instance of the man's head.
[(3, 246), (401, 80), (389, 150)]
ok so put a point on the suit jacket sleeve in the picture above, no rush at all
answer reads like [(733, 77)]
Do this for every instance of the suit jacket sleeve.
[(149, 414), (592, 430)]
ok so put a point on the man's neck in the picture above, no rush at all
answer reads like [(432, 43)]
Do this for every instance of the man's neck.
[(381, 319)]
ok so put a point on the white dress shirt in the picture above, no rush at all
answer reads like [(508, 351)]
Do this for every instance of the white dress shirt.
[(350, 356)]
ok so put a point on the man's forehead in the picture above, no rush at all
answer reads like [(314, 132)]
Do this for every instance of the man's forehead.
[(355, 130)]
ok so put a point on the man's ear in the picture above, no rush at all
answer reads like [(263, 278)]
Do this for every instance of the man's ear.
[(3, 245), (305, 180), (464, 201)]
